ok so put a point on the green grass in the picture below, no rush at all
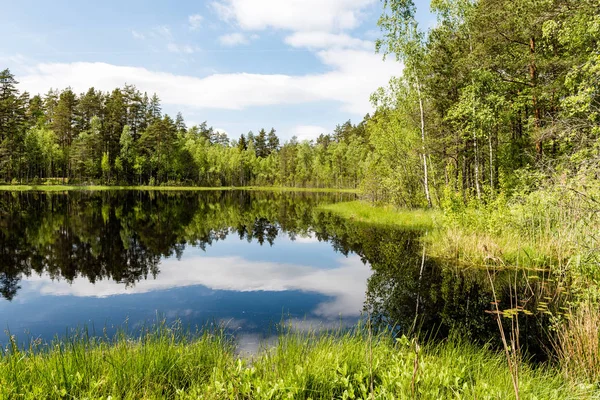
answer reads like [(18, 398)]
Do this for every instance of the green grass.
[(165, 363), (545, 230), (361, 211), (63, 188), (159, 364)]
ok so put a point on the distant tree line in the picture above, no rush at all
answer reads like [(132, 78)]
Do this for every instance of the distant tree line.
[(123, 137)]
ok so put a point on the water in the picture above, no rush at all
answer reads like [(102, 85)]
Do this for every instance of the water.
[(242, 260)]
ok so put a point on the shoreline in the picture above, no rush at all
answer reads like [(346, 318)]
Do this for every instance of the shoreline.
[(67, 188)]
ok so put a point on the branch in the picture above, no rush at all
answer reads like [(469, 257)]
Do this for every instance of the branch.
[(512, 40), (505, 79)]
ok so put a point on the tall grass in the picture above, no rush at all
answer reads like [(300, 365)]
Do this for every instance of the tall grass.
[(553, 229), (578, 344), (546, 229), (541, 230), (159, 364), (168, 363)]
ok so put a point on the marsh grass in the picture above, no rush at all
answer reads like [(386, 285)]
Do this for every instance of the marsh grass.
[(544, 230), (553, 230), (360, 211), (166, 362), (541, 231), (578, 344)]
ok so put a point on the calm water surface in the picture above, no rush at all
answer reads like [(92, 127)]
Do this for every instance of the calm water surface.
[(245, 260)]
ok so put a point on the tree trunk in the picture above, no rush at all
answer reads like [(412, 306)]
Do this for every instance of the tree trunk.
[(475, 149), (424, 153), (491, 161), (539, 145)]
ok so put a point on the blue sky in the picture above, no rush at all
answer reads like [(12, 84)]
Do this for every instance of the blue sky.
[(301, 66)]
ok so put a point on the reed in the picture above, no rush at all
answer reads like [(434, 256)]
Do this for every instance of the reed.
[(578, 344)]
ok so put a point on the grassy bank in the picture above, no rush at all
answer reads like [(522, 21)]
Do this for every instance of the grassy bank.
[(545, 230), (64, 188), (549, 229), (360, 211), (164, 363)]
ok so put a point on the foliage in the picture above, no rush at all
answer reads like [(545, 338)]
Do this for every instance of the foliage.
[(495, 120), (474, 109), (502, 87)]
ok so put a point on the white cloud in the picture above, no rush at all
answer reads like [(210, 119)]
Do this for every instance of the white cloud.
[(162, 31), (307, 239), (296, 15), (233, 39), (344, 285), (137, 35), (353, 76), (308, 132), (186, 48), (309, 325), (326, 40), (251, 344), (195, 21)]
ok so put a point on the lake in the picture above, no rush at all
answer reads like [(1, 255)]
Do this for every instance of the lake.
[(243, 260)]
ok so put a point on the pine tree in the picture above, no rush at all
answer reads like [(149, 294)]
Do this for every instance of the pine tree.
[(242, 143), (114, 122), (261, 144), (180, 124), (89, 106), (154, 109), (63, 125), (8, 103), (135, 109), (272, 142), (50, 103), (35, 111), (12, 125)]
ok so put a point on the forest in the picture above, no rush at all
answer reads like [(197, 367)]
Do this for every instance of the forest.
[(500, 96), (122, 137)]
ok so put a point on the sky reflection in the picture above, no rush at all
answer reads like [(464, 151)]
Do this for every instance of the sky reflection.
[(243, 286)]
